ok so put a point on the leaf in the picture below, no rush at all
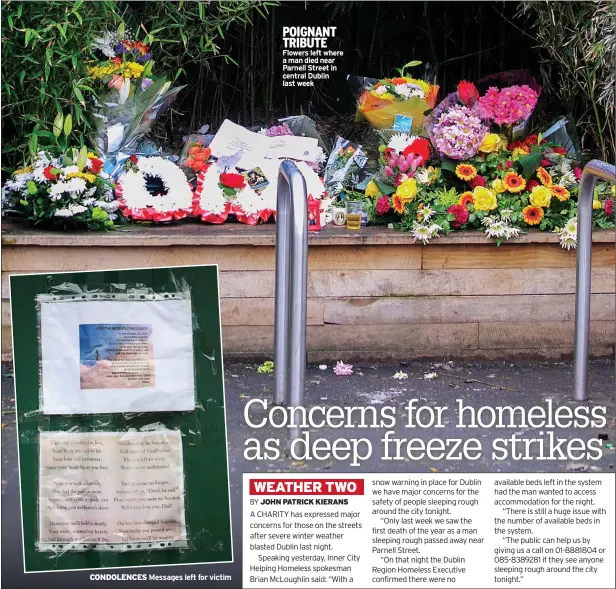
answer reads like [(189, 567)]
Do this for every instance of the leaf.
[(79, 96), (530, 163), (68, 125), (28, 36), (385, 189), (57, 124), (449, 165), (33, 143), (82, 160), (413, 63)]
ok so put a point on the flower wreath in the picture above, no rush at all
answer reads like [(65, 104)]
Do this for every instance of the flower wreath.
[(137, 203), (213, 200)]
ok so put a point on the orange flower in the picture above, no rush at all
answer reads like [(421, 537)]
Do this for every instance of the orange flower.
[(465, 172), (398, 203), (514, 182), (560, 192), (466, 198), (544, 176), (532, 215)]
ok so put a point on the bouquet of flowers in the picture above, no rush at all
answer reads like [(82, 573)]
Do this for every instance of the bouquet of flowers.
[(380, 102), (130, 100), (66, 192), (341, 170)]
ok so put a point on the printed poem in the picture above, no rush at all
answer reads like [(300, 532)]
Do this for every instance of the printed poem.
[(109, 488), (482, 530)]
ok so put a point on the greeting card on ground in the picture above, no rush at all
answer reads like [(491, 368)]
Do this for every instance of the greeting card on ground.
[(116, 355)]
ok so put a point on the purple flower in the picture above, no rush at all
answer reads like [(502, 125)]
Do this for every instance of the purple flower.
[(143, 58), (279, 130), (458, 133), (136, 51), (119, 48), (146, 83)]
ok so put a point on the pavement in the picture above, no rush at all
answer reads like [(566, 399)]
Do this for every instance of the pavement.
[(475, 384)]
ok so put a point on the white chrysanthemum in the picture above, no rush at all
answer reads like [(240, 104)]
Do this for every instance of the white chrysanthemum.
[(321, 156), (88, 201), (506, 214), (77, 209), (409, 90), (496, 229), (400, 141), (421, 232), (434, 229), (63, 213), (75, 186), (487, 221), (69, 170), (571, 226), (567, 179), (18, 182), (426, 213), (511, 232), (423, 176), (568, 240), (381, 90), (110, 207)]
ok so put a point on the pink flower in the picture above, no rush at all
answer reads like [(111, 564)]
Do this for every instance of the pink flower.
[(509, 105), (546, 163), (388, 171), (342, 369), (578, 173), (382, 205), (608, 207)]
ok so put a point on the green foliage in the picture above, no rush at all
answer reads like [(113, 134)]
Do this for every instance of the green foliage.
[(578, 40), (46, 46)]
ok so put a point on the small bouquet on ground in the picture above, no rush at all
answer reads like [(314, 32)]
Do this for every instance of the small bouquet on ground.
[(66, 192), (381, 101), (343, 166)]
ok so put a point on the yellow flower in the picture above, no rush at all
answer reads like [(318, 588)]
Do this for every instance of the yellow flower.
[(540, 197), (87, 177), (25, 170), (518, 151), (560, 192), (596, 204), (407, 190), (544, 176), (498, 186), (491, 143), (372, 189), (485, 200), (387, 96), (613, 189), (466, 172)]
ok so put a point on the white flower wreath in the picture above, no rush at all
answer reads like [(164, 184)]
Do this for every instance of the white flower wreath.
[(134, 196), (210, 200)]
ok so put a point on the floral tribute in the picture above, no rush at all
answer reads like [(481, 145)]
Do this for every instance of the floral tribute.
[(67, 192), (153, 189), (220, 194), (379, 103), (476, 176)]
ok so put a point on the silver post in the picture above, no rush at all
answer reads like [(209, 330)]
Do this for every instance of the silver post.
[(592, 171), (291, 287)]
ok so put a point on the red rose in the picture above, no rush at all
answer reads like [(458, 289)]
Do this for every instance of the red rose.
[(530, 140), (420, 147), (477, 181), (467, 93), (500, 167), (514, 145), (508, 163), (546, 163), (460, 213), (578, 173), (133, 159), (96, 165), (51, 173), (531, 184), (382, 205), (232, 180)]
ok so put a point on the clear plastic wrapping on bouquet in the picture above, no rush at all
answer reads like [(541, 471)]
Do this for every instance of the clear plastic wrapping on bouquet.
[(343, 165), (122, 121), (115, 349), (111, 491)]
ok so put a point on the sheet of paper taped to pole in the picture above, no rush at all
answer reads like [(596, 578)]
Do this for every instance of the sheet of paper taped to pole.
[(109, 488)]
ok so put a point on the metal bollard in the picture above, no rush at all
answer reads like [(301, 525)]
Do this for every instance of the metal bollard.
[(291, 288), (593, 170)]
